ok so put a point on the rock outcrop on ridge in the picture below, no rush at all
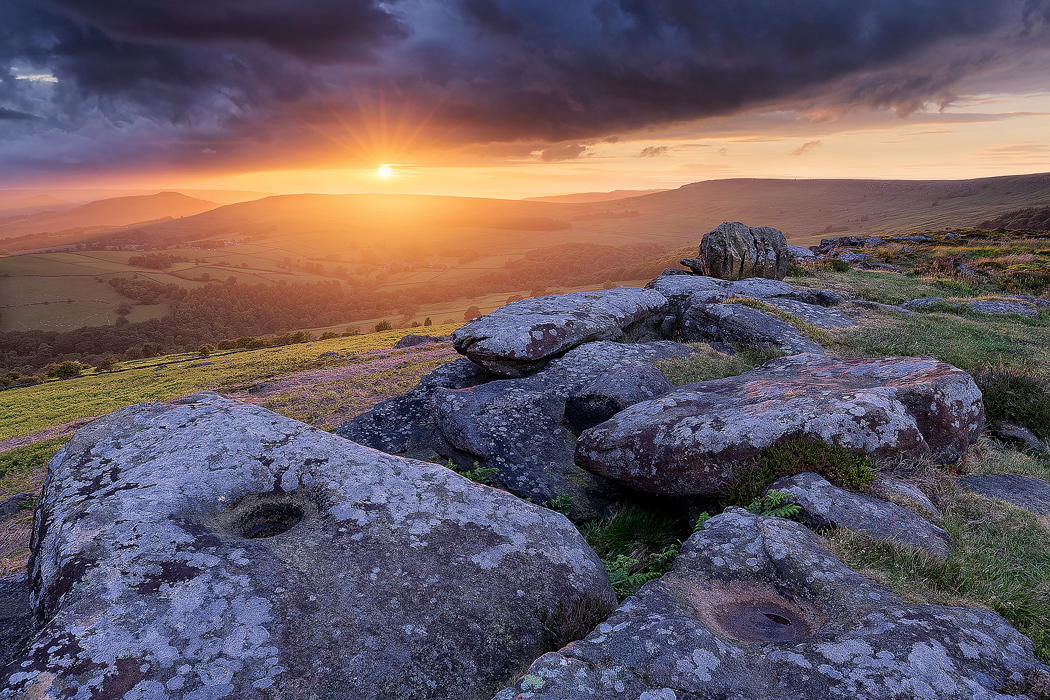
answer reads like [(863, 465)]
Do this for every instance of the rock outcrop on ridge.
[(696, 439), (734, 251), (520, 338), (756, 608), (207, 549)]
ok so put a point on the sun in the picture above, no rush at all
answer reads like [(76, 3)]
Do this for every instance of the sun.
[(385, 171)]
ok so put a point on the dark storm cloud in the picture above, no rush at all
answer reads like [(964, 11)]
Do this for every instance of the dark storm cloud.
[(262, 78)]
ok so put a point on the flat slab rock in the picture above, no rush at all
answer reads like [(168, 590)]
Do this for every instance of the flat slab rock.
[(696, 439), (521, 337), (744, 325), (992, 307), (684, 290), (825, 505), (1022, 491), (756, 608), (207, 549)]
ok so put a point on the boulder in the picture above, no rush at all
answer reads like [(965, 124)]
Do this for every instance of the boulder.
[(612, 392), (736, 323), (12, 505), (756, 608), (851, 257), (404, 425), (412, 339), (800, 253), (819, 316), (992, 307), (734, 251), (900, 491), (682, 291), (1022, 491), (827, 506), (696, 440), (521, 337), (202, 548), (520, 427), (16, 617), (1004, 430)]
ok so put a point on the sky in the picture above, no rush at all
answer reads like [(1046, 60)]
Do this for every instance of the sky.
[(515, 98)]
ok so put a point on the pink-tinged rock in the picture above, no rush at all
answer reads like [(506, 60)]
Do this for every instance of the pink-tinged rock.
[(697, 439), (520, 338)]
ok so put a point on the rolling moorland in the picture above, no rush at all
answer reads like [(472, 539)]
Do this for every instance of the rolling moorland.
[(1000, 560), (332, 262)]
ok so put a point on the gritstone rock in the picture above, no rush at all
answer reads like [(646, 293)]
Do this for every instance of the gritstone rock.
[(756, 608), (518, 426), (16, 617), (696, 439), (521, 337), (827, 506), (736, 323), (734, 251), (404, 425), (1022, 491), (207, 549)]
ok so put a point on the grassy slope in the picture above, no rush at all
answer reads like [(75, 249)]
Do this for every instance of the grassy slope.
[(370, 229)]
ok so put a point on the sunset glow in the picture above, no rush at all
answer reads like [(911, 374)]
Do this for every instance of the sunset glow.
[(522, 99)]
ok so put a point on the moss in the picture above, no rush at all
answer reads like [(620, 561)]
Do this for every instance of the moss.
[(833, 462)]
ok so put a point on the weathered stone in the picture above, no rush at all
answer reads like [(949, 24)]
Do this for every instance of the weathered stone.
[(849, 257), (12, 505), (800, 253), (404, 425), (736, 323), (518, 426), (207, 549), (994, 307), (876, 306), (612, 392), (1004, 430), (898, 490), (1024, 492), (923, 303), (411, 340), (756, 608), (685, 291), (997, 307), (521, 337), (696, 439), (734, 251), (827, 506), (819, 316), (16, 617)]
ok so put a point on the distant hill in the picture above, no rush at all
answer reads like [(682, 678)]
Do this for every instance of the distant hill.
[(587, 197), (37, 203), (1031, 219), (118, 211)]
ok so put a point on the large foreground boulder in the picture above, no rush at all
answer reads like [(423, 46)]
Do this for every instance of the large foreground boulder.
[(734, 251), (697, 439), (207, 549), (521, 337), (756, 608)]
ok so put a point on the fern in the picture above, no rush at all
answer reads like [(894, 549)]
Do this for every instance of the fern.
[(774, 504)]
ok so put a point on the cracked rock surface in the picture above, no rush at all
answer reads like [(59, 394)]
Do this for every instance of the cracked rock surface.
[(520, 338), (825, 505), (756, 608), (734, 251), (696, 439), (519, 426), (203, 548)]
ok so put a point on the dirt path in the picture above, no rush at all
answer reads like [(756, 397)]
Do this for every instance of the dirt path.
[(45, 434)]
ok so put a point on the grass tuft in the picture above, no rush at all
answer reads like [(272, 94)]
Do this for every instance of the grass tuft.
[(1016, 394), (636, 545), (708, 364)]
